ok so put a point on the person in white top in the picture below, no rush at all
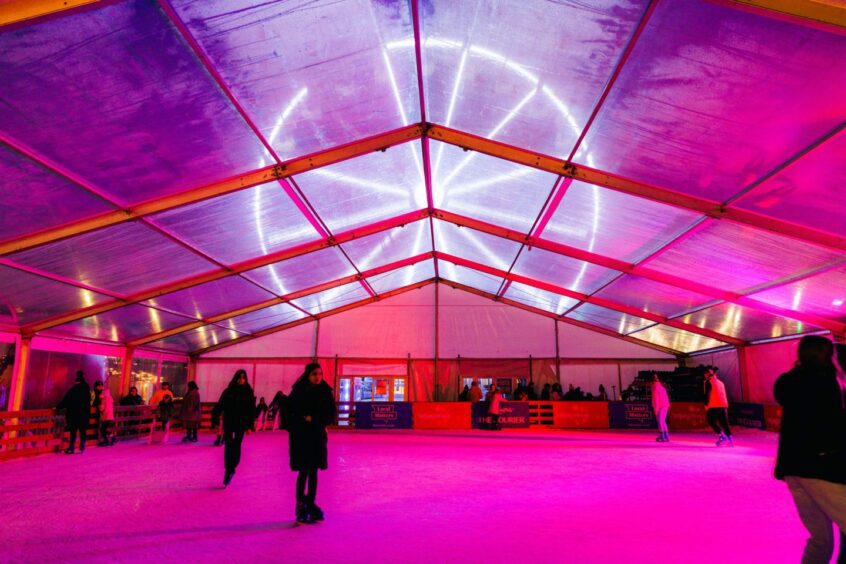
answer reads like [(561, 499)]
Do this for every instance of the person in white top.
[(495, 407), (661, 407)]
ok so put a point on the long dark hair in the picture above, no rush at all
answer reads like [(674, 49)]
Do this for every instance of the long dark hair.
[(303, 379), (816, 352), (238, 373)]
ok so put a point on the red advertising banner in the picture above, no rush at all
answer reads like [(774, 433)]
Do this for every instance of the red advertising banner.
[(772, 417), (687, 415), (580, 415), (441, 415)]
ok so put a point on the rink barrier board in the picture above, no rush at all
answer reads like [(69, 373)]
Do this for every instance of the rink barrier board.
[(29, 432), (580, 415), (441, 415)]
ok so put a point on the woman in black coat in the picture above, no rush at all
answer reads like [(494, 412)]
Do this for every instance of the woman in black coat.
[(812, 444), (312, 408), (77, 406), (237, 408)]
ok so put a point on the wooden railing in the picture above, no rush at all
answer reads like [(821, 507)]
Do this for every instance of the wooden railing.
[(26, 433)]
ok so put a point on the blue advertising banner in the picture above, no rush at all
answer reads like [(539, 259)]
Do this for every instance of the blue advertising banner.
[(513, 415), (383, 415), (748, 415), (624, 415)]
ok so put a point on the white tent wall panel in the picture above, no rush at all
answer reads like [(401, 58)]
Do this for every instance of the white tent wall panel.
[(212, 378), (273, 377), (295, 342), (575, 342), (588, 377), (476, 327), (395, 328)]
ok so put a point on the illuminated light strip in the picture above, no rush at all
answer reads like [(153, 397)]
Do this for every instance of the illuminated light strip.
[(353, 181), (450, 109)]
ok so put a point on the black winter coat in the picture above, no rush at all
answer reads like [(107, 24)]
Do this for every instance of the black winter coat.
[(77, 403), (307, 441), (131, 401), (812, 442), (237, 407)]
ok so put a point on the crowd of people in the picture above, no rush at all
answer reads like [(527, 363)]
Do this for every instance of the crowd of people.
[(527, 391)]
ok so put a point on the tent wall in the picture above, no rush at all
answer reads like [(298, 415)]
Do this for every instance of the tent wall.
[(764, 363), (295, 342), (728, 363), (575, 342)]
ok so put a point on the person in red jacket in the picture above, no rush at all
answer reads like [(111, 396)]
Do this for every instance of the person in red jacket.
[(716, 404)]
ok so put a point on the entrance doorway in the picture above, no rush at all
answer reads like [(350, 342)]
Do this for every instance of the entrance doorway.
[(352, 389)]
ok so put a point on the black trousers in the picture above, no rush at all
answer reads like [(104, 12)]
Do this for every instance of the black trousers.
[(494, 421), (77, 427), (232, 449), (718, 420), (310, 477)]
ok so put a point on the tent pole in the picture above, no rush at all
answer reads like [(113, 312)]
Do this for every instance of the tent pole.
[(557, 354), (437, 379), (16, 393), (316, 339)]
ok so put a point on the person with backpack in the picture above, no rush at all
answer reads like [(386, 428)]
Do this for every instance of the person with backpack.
[(312, 409), (77, 406), (237, 409)]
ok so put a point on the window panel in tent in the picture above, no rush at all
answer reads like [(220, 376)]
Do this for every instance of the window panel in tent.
[(332, 298), (390, 246), (469, 277), (614, 224), (242, 225), (402, 277), (532, 83), (473, 245), (302, 272), (735, 257), (652, 296), (26, 298), (487, 188), (823, 295), (541, 299), (265, 318), (129, 108), (620, 322), (195, 339), (712, 98), (366, 189), (212, 298), (124, 258), (566, 272), (123, 324), (809, 191), (35, 198), (676, 339), (312, 75), (746, 323)]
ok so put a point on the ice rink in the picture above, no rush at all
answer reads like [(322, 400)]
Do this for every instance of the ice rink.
[(415, 496)]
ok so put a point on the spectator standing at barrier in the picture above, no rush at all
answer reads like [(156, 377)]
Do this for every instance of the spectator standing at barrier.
[(238, 410), (495, 407), (191, 413), (312, 408), (812, 444), (556, 394), (716, 404), (77, 406), (546, 392), (261, 414), (465, 394), (661, 407), (531, 393), (475, 392), (162, 402), (132, 399), (107, 419), (603, 395), (96, 403)]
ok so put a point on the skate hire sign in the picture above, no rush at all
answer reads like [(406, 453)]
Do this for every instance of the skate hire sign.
[(626, 415), (513, 414), (383, 415)]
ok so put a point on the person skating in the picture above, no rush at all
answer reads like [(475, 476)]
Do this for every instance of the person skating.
[(191, 413), (96, 403), (812, 444), (311, 409), (107, 419), (495, 407), (277, 411), (237, 408), (261, 414), (716, 405), (77, 406), (661, 407), (162, 402)]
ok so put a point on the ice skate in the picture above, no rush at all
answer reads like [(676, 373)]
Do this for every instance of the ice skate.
[(659, 438), (721, 439), (315, 512), (302, 513), (227, 478), (68, 451)]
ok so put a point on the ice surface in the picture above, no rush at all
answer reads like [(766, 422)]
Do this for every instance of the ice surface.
[(410, 496)]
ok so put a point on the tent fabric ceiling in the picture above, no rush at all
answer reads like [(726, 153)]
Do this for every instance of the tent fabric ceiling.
[(126, 103)]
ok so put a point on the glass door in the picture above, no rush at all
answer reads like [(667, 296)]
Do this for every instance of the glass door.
[(353, 389)]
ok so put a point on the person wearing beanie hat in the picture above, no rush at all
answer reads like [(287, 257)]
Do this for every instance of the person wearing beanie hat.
[(77, 406)]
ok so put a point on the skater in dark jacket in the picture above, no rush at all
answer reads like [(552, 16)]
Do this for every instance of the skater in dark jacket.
[(277, 411), (191, 413), (312, 408), (77, 403), (812, 444), (237, 407)]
